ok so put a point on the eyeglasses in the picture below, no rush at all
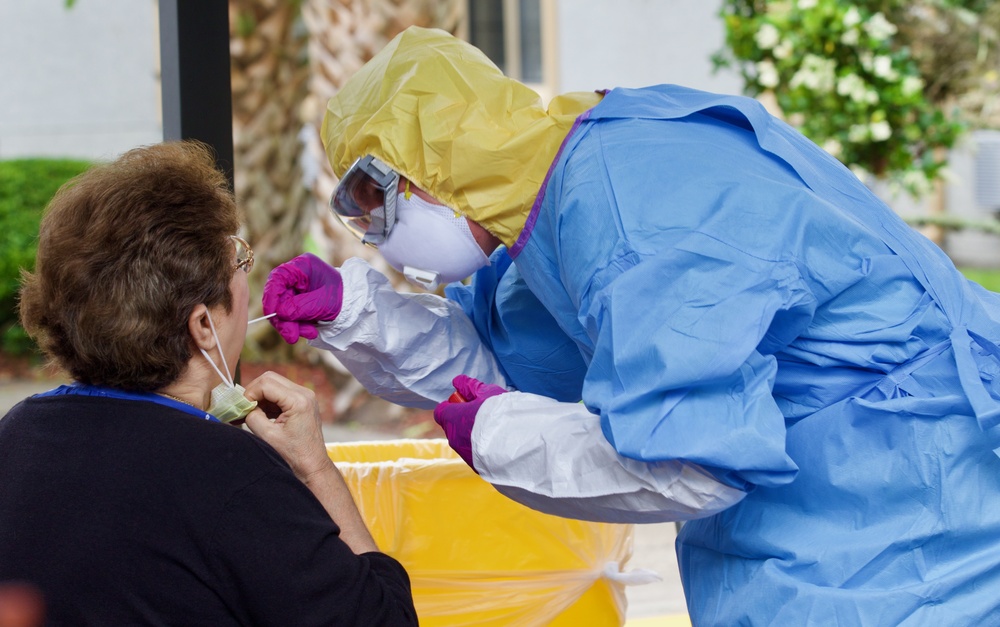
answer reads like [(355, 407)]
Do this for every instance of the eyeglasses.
[(244, 254), (365, 199)]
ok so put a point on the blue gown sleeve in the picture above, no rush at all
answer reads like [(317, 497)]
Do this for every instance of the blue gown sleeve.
[(534, 353), (677, 371)]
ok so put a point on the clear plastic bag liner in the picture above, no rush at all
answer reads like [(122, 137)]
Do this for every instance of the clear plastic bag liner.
[(475, 557)]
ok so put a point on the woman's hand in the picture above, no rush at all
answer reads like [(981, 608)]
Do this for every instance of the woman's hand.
[(287, 418)]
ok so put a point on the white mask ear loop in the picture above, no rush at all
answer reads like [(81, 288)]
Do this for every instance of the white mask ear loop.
[(225, 377)]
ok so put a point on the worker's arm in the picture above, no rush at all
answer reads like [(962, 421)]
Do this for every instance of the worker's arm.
[(553, 457), (405, 348)]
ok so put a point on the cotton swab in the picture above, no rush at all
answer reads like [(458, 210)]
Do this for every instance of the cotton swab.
[(263, 318)]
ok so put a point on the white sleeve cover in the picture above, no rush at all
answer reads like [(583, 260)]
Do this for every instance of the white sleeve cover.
[(553, 457), (405, 348)]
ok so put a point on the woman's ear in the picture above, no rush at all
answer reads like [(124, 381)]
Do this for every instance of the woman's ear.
[(200, 328)]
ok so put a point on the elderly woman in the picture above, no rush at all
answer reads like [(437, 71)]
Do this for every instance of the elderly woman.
[(123, 497)]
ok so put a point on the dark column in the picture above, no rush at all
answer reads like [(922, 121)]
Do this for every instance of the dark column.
[(194, 77), (194, 70)]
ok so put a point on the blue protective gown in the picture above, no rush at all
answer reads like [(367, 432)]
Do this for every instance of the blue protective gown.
[(721, 291)]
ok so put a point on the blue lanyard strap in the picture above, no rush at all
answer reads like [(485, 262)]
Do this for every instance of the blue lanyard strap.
[(78, 389)]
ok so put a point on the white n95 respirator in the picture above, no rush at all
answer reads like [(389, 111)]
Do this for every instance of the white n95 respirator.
[(430, 244)]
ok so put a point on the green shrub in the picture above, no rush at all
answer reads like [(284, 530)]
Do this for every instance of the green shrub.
[(26, 187)]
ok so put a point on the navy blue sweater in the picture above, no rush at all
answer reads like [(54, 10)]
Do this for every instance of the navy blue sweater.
[(128, 512)]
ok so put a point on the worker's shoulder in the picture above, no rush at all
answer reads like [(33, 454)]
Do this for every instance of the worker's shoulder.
[(667, 101)]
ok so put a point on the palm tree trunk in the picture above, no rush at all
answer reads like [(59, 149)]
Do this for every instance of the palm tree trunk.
[(269, 83)]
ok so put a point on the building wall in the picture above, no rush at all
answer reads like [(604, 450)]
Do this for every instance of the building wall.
[(78, 82), (632, 43)]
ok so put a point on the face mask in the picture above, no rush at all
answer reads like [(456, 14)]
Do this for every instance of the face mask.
[(228, 402), (430, 245)]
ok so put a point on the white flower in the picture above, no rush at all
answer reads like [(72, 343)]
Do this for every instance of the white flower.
[(852, 86), (917, 181), (879, 27), (871, 96), (783, 50), (850, 37), (805, 5), (912, 85), (866, 58), (852, 17), (833, 147), (767, 36), (816, 73), (881, 131), (767, 74), (857, 133), (882, 67)]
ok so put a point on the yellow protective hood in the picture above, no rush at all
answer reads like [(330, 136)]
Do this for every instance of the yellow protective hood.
[(439, 111)]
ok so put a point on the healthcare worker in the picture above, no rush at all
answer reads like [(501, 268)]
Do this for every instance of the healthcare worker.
[(760, 345)]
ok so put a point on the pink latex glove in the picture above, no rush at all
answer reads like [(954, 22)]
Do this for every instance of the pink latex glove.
[(457, 417), (302, 292)]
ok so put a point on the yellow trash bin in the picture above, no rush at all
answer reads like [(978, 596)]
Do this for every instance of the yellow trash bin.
[(474, 556)]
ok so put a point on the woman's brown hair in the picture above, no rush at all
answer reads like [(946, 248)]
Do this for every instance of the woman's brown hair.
[(125, 252)]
